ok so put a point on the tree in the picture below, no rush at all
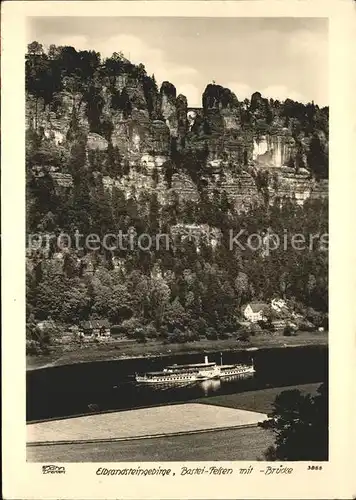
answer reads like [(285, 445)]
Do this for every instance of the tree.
[(113, 66), (159, 298), (139, 287), (151, 95), (112, 301), (318, 156), (241, 287), (50, 294), (124, 103), (175, 317), (94, 108), (243, 335), (153, 215), (54, 52), (300, 424), (75, 302), (42, 76), (35, 48)]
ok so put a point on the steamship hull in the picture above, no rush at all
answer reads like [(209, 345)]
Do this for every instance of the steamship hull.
[(162, 380), (235, 371), (190, 373)]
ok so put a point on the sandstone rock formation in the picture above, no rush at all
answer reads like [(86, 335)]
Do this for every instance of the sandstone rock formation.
[(147, 129)]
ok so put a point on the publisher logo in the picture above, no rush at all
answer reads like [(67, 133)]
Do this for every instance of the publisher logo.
[(53, 469)]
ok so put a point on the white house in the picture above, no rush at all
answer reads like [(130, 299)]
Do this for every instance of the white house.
[(255, 311)]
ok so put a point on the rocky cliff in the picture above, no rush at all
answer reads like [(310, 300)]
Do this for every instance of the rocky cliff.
[(119, 112)]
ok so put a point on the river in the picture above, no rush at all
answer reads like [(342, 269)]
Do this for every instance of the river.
[(108, 385)]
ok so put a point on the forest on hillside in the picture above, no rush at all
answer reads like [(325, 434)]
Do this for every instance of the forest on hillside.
[(188, 289)]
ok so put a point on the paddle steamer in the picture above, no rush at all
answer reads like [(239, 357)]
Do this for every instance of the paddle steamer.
[(181, 374)]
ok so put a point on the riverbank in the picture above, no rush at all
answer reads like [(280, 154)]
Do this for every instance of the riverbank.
[(261, 400), (145, 423), (224, 445), (247, 443), (112, 351)]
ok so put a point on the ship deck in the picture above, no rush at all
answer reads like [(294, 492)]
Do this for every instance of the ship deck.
[(191, 365)]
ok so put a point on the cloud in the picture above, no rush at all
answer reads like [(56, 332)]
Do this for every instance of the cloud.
[(283, 58), (134, 49), (308, 43), (241, 90), (281, 92), (182, 71), (310, 50), (192, 93), (154, 59), (79, 42)]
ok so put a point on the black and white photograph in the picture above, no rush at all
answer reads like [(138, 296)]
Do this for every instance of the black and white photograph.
[(177, 239), (177, 171)]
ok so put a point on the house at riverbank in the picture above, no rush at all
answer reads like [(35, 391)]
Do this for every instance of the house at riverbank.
[(255, 311), (95, 328)]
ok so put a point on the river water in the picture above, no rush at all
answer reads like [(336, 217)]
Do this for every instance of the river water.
[(107, 385)]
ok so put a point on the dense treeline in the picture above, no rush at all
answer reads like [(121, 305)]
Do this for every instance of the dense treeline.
[(190, 287), (185, 287)]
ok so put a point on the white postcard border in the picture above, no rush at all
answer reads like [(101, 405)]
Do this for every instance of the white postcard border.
[(336, 480)]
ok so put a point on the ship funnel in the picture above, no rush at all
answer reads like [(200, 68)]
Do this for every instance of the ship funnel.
[(206, 360)]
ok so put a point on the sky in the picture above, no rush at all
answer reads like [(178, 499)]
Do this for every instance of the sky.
[(279, 57)]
